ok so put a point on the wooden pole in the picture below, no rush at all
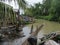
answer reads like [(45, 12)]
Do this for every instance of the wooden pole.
[(38, 29), (31, 29), (34, 34)]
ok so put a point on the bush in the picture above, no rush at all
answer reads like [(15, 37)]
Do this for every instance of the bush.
[(50, 17), (46, 17), (59, 19)]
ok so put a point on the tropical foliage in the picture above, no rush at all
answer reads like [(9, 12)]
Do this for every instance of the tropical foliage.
[(7, 14), (49, 10), (21, 3)]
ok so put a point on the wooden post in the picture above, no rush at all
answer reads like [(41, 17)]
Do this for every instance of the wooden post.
[(31, 29)]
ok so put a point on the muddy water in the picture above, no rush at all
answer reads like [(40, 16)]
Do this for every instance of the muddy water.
[(48, 27), (19, 41)]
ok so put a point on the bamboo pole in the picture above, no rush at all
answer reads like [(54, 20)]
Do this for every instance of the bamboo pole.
[(31, 29), (34, 34)]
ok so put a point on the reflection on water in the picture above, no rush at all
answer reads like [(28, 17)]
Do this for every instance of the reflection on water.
[(26, 30), (19, 41)]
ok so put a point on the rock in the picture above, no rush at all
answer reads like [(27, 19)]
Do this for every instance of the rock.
[(50, 42)]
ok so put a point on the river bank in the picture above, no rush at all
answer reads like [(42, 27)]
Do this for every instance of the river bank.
[(48, 28)]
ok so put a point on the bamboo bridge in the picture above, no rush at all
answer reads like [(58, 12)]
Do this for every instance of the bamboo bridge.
[(33, 34)]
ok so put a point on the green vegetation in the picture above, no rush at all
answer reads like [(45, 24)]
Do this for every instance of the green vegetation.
[(7, 15), (22, 5), (49, 10)]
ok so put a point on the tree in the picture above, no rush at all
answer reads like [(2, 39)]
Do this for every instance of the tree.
[(54, 10), (49, 10), (34, 11), (22, 5), (46, 6)]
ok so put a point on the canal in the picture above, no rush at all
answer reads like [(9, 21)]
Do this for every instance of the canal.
[(49, 26)]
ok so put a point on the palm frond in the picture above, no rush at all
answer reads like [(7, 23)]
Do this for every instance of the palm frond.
[(22, 3)]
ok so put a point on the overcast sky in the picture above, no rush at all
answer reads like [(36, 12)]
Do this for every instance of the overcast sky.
[(32, 2)]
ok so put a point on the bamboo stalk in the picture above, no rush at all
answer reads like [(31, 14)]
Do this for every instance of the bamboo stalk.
[(34, 34)]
